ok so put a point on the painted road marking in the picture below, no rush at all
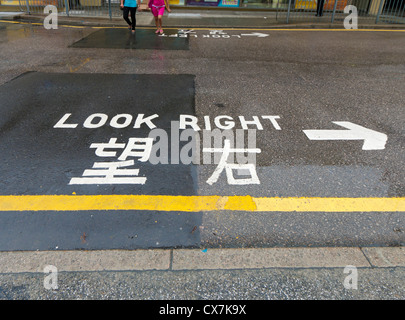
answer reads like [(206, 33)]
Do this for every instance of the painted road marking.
[(120, 39), (197, 203), (373, 140), (255, 34), (73, 70), (105, 121)]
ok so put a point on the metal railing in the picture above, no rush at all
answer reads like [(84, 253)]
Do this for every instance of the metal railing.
[(88, 8), (332, 11), (393, 12), (287, 11)]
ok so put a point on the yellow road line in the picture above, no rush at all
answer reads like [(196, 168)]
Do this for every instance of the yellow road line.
[(73, 70), (197, 203)]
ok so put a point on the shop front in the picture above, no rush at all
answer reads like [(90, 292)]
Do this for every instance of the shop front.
[(364, 6)]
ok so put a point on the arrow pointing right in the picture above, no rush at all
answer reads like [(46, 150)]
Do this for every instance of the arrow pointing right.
[(256, 34), (373, 140)]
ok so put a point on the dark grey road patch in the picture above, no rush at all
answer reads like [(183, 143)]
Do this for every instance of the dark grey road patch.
[(98, 230), (124, 39), (41, 159)]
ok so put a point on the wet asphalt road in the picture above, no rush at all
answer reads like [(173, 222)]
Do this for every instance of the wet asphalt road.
[(309, 79)]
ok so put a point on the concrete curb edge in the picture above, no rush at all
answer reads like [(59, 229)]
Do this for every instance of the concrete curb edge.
[(201, 259)]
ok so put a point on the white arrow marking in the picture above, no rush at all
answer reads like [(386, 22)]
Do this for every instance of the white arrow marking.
[(256, 34), (373, 140)]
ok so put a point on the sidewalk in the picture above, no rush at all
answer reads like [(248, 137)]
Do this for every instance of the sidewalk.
[(195, 274), (181, 18), (202, 259)]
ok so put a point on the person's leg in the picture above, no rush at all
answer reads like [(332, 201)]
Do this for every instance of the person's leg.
[(160, 24), (155, 15), (321, 7), (125, 15), (133, 17), (317, 7), (160, 17), (157, 24)]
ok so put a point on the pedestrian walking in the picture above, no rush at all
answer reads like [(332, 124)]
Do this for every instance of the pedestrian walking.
[(130, 6), (157, 8)]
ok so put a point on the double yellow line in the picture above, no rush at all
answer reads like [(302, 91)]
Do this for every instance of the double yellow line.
[(197, 203)]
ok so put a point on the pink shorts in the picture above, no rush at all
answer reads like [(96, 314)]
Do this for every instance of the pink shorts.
[(157, 11)]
